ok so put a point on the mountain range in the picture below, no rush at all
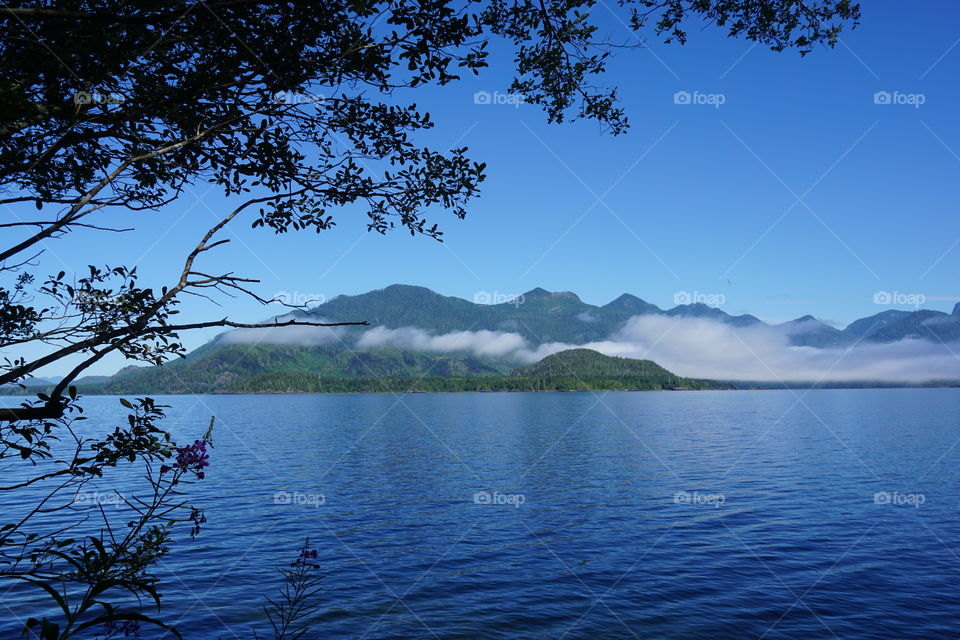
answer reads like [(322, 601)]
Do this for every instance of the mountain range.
[(408, 326), (542, 316)]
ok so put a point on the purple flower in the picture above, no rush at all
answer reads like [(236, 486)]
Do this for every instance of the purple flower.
[(191, 458), (306, 554)]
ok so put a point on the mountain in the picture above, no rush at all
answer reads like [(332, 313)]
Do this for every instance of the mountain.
[(408, 318), (701, 310), (807, 331), (590, 363), (542, 316), (866, 327), (589, 370), (571, 370), (218, 367), (925, 323), (628, 305), (538, 315), (35, 382)]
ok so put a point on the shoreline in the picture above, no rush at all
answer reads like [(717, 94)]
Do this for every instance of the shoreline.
[(290, 392)]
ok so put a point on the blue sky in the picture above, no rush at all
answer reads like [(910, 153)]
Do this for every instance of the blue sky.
[(798, 194)]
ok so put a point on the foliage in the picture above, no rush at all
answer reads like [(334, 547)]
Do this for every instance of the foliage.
[(588, 363), (214, 369), (87, 570), (287, 612), (572, 370)]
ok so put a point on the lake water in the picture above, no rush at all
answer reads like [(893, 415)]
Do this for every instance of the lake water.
[(727, 514)]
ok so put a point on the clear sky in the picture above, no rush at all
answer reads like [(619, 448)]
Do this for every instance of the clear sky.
[(798, 194)]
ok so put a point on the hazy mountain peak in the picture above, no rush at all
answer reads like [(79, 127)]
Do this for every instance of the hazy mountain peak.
[(956, 309)]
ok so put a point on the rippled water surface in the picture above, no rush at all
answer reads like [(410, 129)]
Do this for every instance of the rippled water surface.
[(773, 514)]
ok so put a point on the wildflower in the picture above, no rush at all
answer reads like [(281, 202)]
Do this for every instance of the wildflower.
[(306, 554), (191, 458)]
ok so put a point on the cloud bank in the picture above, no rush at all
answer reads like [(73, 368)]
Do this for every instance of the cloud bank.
[(705, 348), (495, 344), (710, 349)]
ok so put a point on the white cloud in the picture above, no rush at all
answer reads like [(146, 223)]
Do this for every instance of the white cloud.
[(708, 349), (704, 348), (479, 343)]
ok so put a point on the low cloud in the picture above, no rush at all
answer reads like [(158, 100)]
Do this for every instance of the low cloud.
[(705, 348), (478, 343), (709, 349)]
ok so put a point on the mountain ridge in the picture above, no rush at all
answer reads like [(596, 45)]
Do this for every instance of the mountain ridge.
[(413, 332), (556, 313)]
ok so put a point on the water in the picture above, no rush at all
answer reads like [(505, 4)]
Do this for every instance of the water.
[(769, 514)]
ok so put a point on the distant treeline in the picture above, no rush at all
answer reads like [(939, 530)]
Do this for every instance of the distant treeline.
[(848, 384), (285, 369), (305, 382)]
